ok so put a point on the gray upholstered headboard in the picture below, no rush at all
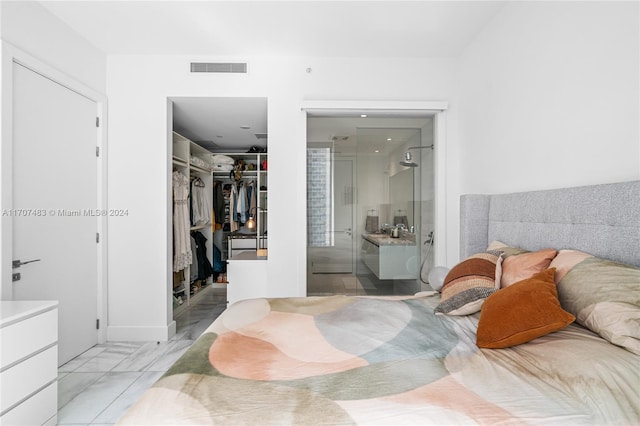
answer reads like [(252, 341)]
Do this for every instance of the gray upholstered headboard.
[(603, 220)]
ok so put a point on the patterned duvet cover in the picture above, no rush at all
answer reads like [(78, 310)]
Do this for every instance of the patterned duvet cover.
[(385, 361)]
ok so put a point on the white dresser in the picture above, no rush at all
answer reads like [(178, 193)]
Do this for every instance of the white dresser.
[(28, 362), (247, 276)]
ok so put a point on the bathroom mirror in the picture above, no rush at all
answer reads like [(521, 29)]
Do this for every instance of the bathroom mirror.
[(401, 198)]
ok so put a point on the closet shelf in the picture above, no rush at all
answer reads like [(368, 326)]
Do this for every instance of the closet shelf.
[(199, 169), (244, 172), (179, 162)]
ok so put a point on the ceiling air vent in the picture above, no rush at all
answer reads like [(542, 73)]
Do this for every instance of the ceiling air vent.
[(232, 67), (261, 135)]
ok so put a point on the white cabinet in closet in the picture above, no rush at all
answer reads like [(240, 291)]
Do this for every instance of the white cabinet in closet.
[(192, 162)]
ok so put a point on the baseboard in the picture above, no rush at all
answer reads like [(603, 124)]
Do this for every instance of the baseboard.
[(141, 334)]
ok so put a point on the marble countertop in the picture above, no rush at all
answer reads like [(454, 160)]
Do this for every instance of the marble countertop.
[(387, 240)]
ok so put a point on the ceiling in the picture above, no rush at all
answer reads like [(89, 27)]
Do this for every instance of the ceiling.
[(242, 29), (278, 28), (222, 124), (374, 134)]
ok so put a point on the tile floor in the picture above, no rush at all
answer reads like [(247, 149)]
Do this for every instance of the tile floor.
[(358, 285), (98, 386)]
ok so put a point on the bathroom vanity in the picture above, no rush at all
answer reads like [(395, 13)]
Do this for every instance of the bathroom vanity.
[(390, 258)]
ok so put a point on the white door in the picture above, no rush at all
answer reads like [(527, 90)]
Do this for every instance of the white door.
[(337, 257), (54, 191)]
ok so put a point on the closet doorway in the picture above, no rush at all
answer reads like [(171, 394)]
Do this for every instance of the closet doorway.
[(219, 143), (55, 247)]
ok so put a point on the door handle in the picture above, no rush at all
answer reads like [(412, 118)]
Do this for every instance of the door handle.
[(18, 263)]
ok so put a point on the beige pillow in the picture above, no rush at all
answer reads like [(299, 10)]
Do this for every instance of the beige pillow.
[(603, 295)]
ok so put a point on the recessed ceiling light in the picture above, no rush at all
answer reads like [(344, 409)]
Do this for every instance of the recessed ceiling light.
[(376, 151), (363, 115), (389, 139), (245, 127)]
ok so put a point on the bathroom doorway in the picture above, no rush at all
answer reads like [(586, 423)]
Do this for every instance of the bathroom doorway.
[(358, 193)]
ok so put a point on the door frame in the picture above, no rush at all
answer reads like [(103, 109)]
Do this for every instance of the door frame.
[(11, 54), (439, 109)]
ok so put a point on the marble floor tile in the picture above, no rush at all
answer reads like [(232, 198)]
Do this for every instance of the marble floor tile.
[(98, 386), (105, 361), (81, 359), (143, 357), (198, 329), (174, 351), (113, 412), (95, 398), (72, 384)]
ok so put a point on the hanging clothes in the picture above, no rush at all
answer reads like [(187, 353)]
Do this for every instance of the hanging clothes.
[(193, 271), (205, 270), (181, 242), (218, 206), (252, 198), (241, 204), (200, 204), (233, 195)]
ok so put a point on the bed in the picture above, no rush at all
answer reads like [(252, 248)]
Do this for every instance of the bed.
[(573, 257)]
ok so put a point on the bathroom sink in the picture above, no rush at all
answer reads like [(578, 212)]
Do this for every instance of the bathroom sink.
[(386, 239)]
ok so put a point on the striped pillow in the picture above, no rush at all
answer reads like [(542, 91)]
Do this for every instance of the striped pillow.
[(469, 283)]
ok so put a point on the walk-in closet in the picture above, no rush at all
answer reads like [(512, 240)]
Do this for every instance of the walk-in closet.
[(219, 187)]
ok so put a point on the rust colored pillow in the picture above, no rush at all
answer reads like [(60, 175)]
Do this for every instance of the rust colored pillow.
[(524, 265), (522, 312)]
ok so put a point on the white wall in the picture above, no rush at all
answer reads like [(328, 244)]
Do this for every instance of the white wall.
[(28, 28), (138, 86), (33, 29), (549, 98)]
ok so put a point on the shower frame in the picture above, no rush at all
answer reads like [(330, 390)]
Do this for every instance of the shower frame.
[(393, 108)]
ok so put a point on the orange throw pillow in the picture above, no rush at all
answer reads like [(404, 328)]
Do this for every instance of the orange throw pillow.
[(522, 312)]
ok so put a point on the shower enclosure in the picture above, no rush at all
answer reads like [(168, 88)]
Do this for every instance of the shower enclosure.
[(367, 215)]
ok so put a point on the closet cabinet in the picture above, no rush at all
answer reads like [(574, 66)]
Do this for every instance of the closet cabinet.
[(236, 237), (191, 164)]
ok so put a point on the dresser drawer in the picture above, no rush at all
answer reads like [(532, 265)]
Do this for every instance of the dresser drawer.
[(27, 377), (40, 409), (21, 339)]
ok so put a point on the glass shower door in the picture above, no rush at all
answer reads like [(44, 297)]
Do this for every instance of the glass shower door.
[(333, 252)]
